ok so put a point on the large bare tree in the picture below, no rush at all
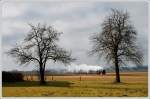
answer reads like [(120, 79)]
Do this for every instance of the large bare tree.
[(39, 46), (117, 41)]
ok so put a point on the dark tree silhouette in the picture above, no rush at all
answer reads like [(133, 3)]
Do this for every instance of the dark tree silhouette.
[(117, 41), (39, 46)]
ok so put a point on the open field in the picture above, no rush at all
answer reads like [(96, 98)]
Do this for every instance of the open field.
[(133, 84)]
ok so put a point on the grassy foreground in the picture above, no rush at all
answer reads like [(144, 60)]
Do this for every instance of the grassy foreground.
[(102, 86)]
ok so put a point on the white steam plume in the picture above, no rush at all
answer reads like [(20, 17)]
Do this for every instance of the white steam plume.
[(83, 67)]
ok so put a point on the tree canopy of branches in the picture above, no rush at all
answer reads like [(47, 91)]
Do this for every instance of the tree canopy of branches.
[(39, 46), (117, 41)]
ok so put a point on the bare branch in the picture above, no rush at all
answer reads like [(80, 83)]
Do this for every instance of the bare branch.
[(117, 39)]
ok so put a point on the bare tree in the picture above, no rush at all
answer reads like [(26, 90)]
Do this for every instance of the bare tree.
[(117, 41), (39, 46)]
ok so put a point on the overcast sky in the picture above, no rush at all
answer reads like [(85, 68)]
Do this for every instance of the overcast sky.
[(77, 20)]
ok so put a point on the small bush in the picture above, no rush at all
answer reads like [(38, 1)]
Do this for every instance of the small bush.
[(11, 76)]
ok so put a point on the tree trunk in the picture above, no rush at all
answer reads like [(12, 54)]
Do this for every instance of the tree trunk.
[(42, 80), (117, 71)]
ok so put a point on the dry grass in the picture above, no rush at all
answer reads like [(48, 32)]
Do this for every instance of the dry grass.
[(133, 84)]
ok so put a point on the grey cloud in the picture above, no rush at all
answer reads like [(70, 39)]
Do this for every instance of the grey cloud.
[(78, 21), (7, 40)]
